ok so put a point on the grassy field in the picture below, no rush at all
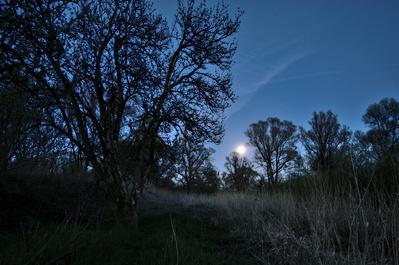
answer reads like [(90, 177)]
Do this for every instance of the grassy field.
[(279, 227), (319, 228), (170, 232), (162, 239)]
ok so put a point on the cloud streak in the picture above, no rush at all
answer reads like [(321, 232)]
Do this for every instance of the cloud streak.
[(267, 77), (278, 68), (304, 76)]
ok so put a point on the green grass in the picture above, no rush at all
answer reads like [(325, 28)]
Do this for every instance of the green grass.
[(198, 241)]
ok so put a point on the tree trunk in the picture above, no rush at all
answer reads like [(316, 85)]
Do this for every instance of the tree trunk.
[(127, 210), (125, 196), (122, 190)]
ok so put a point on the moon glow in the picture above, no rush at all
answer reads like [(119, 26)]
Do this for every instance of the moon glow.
[(241, 149)]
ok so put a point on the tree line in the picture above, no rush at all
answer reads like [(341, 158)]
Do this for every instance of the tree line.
[(358, 160), (283, 153)]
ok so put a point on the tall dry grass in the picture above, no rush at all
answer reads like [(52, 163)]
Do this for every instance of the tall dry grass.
[(319, 228)]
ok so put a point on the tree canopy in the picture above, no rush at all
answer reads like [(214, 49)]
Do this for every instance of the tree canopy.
[(106, 71)]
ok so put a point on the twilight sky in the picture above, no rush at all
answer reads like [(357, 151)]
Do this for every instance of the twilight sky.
[(296, 57)]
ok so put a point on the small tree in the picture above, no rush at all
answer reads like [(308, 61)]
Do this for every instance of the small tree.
[(239, 172), (325, 139), (382, 141), (209, 181), (383, 120), (275, 147), (191, 156)]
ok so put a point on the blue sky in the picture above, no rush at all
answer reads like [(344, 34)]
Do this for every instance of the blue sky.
[(296, 57)]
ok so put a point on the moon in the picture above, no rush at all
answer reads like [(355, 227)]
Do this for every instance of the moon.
[(241, 149)]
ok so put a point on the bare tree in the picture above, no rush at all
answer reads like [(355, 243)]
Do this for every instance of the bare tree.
[(191, 156), (362, 151), (383, 120), (209, 180), (239, 172), (324, 140), (106, 70), (275, 147)]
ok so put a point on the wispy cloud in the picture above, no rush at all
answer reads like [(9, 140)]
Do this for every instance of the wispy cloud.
[(269, 74), (266, 50), (304, 76), (278, 68)]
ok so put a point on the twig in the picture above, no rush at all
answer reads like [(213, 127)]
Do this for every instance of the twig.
[(174, 239)]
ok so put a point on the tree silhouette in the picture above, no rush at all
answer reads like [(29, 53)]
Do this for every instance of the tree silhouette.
[(239, 172), (191, 157), (324, 140), (383, 120), (107, 70), (275, 146)]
